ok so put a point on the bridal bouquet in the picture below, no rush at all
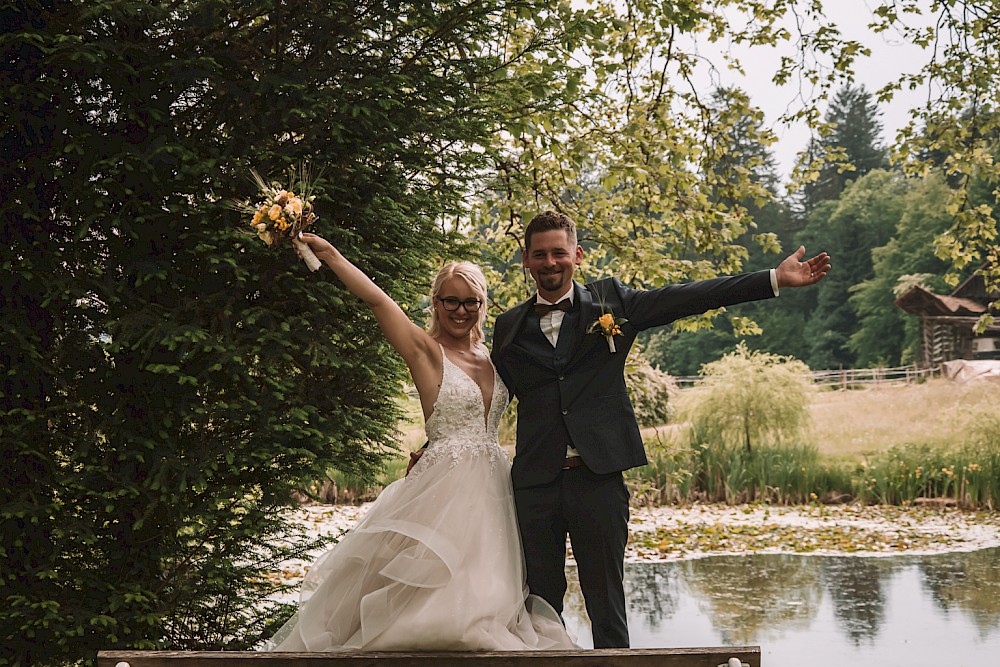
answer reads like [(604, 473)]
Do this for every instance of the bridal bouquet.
[(280, 213)]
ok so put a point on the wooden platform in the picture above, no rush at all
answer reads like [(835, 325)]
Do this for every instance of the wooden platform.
[(724, 656)]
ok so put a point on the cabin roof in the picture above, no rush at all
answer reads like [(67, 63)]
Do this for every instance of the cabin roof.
[(920, 301)]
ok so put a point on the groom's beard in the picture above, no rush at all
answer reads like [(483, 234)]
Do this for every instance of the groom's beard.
[(552, 282)]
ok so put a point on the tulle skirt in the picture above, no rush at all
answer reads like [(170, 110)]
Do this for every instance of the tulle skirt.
[(435, 564)]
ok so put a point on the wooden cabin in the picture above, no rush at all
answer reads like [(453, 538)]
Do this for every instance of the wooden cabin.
[(947, 322)]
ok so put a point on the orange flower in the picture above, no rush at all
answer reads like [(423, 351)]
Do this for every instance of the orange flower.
[(294, 206)]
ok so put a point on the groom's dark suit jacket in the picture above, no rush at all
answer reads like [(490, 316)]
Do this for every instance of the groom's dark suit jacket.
[(575, 394)]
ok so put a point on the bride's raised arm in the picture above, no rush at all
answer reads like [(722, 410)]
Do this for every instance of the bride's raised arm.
[(418, 349)]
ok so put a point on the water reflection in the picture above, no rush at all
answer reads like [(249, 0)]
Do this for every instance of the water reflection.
[(858, 594), (819, 610), (969, 585)]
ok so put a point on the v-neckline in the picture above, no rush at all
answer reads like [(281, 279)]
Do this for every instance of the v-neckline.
[(487, 407)]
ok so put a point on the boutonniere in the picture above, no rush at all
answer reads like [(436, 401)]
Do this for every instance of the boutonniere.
[(608, 326)]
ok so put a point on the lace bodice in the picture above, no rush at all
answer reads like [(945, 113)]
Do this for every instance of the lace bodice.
[(460, 426)]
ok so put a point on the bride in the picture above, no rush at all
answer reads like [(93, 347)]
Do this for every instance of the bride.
[(436, 562)]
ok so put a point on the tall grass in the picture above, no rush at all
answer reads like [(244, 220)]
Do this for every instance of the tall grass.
[(339, 487), (893, 445), (685, 469), (690, 465)]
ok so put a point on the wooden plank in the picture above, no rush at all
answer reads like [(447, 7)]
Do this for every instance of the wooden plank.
[(654, 657)]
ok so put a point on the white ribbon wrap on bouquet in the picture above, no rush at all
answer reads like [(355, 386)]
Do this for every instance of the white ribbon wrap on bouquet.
[(311, 260)]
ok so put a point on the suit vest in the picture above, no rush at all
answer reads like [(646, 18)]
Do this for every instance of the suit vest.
[(538, 346)]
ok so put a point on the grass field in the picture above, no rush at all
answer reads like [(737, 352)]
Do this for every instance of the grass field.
[(849, 424), (853, 423)]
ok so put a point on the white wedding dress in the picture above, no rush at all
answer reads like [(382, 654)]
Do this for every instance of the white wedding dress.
[(436, 562)]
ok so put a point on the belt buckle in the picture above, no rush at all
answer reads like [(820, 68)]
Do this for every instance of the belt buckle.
[(572, 462)]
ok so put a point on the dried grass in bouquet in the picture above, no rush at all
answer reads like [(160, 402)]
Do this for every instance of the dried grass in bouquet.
[(281, 212)]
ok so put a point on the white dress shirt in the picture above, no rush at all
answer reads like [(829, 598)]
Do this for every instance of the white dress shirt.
[(550, 323)]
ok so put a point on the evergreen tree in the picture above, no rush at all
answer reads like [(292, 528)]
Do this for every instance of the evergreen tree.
[(864, 218), (851, 149), (885, 334), (169, 380)]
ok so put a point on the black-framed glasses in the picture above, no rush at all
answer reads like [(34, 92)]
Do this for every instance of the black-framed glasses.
[(451, 304)]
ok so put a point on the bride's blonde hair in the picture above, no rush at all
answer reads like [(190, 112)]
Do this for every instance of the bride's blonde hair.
[(471, 274)]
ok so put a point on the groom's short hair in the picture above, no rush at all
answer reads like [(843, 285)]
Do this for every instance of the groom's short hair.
[(547, 221)]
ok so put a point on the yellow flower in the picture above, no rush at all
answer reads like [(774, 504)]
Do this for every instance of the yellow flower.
[(258, 214), (608, 327), (294, 206), (266, 236), (274, 213)]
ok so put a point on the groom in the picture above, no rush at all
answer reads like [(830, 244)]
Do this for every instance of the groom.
[(576, 429)]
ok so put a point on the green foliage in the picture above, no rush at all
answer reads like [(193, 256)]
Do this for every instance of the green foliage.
[(956, 131), (683, 353), (652, 391), (849, 228), (747, 397), (169, 381), (630, 150), (885, 335)]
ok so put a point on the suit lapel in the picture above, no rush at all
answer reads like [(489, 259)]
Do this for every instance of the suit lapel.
[(519, 313), (583, 316), (590, 310)]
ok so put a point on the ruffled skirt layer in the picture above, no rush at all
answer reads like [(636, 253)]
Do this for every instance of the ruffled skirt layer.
[(435, 564)]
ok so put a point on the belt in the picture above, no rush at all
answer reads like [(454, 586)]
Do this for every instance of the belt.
[(572, 462)]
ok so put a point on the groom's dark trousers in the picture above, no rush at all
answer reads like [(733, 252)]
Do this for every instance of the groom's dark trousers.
[(574, 394)]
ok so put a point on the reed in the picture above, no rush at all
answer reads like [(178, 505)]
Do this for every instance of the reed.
[(685, 469), (895, 445)]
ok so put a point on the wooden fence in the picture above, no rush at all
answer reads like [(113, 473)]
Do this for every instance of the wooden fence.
[(851, 378)]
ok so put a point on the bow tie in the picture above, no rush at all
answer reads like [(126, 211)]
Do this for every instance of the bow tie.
[(542, 309)]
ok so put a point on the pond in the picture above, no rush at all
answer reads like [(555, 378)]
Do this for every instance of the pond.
[(818, 611)]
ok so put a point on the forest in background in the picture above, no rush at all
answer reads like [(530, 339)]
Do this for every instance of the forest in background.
[(877, 223), (168, 382)]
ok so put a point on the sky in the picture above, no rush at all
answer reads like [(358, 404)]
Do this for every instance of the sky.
[(890, 58)]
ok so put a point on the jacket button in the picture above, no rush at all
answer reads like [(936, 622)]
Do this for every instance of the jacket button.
[(562, 377), (565, 412)]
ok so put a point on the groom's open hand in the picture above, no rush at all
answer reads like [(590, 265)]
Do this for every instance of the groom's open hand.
[(793, 272)]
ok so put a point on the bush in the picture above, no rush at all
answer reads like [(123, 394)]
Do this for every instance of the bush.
[(652, 391), (168, 381), (748, 397)]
